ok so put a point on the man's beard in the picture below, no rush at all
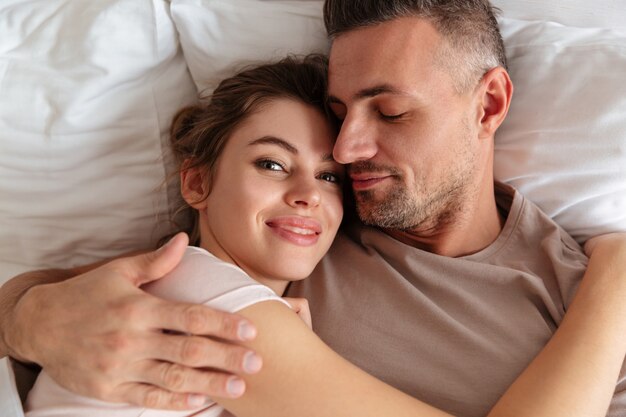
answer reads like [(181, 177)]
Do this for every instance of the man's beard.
[(398, 208)]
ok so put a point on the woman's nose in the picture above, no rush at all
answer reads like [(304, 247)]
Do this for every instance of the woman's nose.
[(304, 193)]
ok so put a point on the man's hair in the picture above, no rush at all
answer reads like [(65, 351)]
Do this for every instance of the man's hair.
[(469, 27)]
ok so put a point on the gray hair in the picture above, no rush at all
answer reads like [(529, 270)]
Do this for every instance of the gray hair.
[(473, 41)]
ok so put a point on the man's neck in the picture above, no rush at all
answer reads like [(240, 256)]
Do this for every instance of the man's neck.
[(468, 232)]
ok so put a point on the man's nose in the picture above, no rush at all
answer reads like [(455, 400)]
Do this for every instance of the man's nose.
[(355, 141)]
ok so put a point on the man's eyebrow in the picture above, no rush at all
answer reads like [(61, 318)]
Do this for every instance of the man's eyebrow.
[(272, 140), (371, 92)]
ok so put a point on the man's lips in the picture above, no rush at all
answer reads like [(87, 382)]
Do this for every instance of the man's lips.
[(301, 231), (365, 181)]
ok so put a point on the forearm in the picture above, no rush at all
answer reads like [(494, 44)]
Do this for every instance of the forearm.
[(11, 293), (13, 290), (303, 377), (575, 374)]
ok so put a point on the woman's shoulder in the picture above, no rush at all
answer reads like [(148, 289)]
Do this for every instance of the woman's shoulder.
[(202, 278)]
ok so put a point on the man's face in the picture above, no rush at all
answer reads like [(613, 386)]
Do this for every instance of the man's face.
[(409, 137)]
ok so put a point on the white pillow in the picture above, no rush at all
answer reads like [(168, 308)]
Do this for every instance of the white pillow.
[(579, 13), (220, 35), (564, 142), (87, 92)]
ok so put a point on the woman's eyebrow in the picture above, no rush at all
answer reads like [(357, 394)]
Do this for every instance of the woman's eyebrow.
[(272, 140)]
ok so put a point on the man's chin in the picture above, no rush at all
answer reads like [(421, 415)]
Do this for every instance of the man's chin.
[(372, 215)]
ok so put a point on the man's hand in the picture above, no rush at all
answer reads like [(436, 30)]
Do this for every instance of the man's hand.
[(100, 335)]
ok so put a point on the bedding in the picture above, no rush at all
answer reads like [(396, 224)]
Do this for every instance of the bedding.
[(563, 144), (87, 94), (88, 89)]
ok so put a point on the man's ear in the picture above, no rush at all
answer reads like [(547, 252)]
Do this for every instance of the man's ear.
[(194, 186), (496, 90)]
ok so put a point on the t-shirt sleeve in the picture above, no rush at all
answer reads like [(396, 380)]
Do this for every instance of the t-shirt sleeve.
[(201, 278)]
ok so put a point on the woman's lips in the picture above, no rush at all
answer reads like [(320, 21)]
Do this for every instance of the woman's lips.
[(301, 231)]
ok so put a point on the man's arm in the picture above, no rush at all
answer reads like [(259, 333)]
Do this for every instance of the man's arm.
[(12, 292), (98, 334)]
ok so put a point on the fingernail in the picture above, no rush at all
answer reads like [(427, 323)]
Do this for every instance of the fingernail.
[(197, 400), (235, 387), (246, 331), (252, 363)]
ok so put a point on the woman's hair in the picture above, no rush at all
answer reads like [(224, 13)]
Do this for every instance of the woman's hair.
[(200, 132), (473, 41)]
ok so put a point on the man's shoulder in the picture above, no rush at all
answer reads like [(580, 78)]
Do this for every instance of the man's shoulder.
[(527, 220)]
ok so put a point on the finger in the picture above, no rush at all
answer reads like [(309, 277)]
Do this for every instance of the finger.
[(150, 396), (198, 319), (202, 352), (150, 266), (179, 379)]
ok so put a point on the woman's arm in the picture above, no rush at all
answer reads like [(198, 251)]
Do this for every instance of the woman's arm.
[(303, 377), (575, 374)]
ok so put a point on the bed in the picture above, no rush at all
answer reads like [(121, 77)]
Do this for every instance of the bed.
[(88, 88)]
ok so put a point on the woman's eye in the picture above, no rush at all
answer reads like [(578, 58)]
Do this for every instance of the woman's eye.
[(329, 177), (270, 165)]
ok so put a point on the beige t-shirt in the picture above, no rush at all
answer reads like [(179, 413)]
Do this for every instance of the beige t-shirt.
[(453, 332)]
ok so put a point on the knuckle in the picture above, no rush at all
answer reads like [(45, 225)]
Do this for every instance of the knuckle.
[(194, 319), (192, 351), (230, 327), (117, 342), (178, 401), (107, 365), (174, 377), (154, 398), (217, 384), (233, 358), (128, 311), (98, 390)]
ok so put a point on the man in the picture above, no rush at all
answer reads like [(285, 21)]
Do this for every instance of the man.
[(447, 291), (457, 286)]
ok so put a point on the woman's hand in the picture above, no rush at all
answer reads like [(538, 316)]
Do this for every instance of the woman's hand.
[(609, 240), (100, 335)]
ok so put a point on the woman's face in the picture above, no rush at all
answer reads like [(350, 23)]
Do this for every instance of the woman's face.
[(275, 203)]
